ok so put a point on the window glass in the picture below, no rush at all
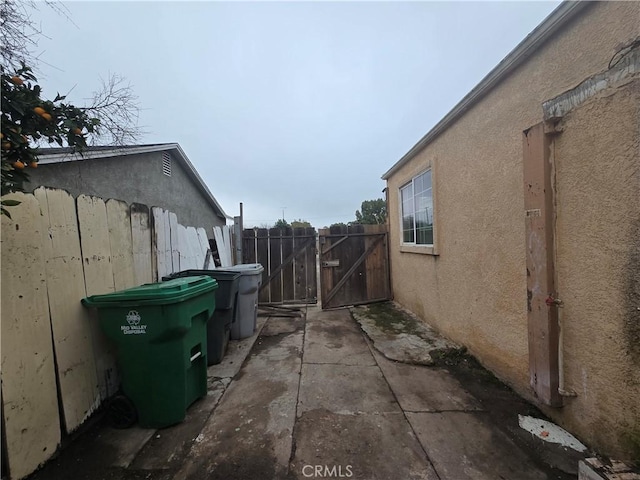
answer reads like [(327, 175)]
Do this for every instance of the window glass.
[(408, 222), (417, 210)]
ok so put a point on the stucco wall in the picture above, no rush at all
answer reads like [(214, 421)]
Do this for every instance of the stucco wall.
[(474, 291), (598, 265), (134, 178)]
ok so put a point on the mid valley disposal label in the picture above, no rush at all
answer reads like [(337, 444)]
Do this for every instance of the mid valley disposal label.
[(134, 328)]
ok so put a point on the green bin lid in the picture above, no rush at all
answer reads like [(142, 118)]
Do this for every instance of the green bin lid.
[(173, 291)]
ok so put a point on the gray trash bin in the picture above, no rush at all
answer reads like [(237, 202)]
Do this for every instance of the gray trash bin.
[(248, 288), (219, 325)]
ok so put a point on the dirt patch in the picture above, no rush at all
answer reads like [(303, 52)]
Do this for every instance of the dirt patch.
[(399, 335), (390, 319), (333, 337), (86, 457), (504, 405), (239, 441), (282, 326)]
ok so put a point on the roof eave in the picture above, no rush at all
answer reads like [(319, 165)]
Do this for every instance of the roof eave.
[(195, 176), (556, 19), (46, 158)]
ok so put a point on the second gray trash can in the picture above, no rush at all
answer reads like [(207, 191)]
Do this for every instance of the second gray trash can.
[(248, 288), (219, 325)]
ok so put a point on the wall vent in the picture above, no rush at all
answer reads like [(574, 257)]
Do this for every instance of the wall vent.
[(166, 164)]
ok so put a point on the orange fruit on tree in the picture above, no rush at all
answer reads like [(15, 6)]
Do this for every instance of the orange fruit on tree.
[(19, 165), (6, 145), (33, 164), (77, 131), (16, 80), (46, 116), (39, 110)]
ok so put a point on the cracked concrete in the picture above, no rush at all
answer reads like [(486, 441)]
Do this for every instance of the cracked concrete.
[(399, 335), (315, 397)]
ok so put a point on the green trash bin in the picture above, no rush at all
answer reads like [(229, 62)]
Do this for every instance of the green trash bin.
[(160, 332)]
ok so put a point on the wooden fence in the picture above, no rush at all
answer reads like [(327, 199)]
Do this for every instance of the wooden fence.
[(354, 265), (57, 366), (288, 256)]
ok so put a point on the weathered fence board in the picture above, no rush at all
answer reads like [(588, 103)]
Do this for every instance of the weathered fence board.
[(305, 286), (199, 253), (120, 241), (228, 247), (98, 278), (275, 260), (376, 264), (29, 394), (223, 242), (262, 257), (249, 244), (173, 235), (70, 321), (204, 246), (289, 260), (57, 365), (161, 242), (184, 254), (354, 265), (190, 249), (141, 243), (288, 286)]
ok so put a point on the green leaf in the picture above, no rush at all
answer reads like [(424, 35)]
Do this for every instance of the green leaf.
[(10, 203)]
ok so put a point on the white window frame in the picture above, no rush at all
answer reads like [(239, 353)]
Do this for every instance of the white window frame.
[(413, 247)]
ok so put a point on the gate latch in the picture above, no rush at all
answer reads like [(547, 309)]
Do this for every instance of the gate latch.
[(331, 263)]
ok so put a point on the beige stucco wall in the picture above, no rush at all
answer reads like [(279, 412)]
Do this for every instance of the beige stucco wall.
[(598, 265), (474, 291)]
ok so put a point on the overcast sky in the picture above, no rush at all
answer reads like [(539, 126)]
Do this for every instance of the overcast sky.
[(291, 106)]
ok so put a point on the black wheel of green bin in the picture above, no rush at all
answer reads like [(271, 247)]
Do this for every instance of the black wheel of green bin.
[(121, 412)]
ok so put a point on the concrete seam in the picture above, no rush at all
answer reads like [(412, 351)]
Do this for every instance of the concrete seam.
[(404, 414), (341, 364), (295, 414), (446, 411)]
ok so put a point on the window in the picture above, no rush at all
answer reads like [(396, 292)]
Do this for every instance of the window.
[(417, 210), (166, 164)]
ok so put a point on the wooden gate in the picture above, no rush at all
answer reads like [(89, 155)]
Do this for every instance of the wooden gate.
[(354, 265), (289, 258)]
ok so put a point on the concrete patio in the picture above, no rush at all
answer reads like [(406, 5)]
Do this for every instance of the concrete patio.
[(311, 397)]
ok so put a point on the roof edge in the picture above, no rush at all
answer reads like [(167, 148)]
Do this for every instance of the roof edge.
[(45, 157), (193, 173), (556, 19), (58, 157)]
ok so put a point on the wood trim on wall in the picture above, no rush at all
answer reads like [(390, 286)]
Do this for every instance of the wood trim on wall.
[(542, 303)]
